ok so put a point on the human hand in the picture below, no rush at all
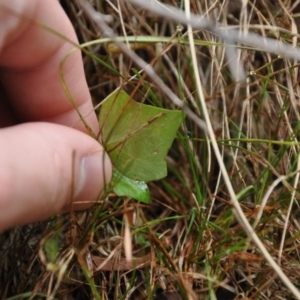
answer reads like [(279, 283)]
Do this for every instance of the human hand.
[(36, 138)]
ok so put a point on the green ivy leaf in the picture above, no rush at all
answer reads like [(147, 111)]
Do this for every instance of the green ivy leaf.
[(123, 186), (137, 137)]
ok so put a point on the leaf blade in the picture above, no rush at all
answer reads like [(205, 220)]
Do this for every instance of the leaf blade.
[(124, 186), (137, 136)]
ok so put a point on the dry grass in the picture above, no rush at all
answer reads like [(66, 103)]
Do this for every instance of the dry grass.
[(188, 238)]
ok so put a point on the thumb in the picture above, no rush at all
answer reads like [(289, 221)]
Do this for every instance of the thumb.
[(38, 172)]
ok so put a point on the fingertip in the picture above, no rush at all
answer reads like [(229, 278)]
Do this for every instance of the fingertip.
[(40, 176), (95, 172)]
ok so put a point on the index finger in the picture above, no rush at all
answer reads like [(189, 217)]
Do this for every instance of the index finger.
[(30, 60)]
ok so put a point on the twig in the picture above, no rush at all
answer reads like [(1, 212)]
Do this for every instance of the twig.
[(229, 35)]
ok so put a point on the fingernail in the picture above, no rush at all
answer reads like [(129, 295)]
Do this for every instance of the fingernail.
[(95, 173)]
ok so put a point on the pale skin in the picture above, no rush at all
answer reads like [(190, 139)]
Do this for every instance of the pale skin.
[(39, 128)]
